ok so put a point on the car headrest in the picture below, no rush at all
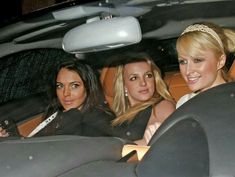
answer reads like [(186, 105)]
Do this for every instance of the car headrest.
[(107, 81), (102, 35)]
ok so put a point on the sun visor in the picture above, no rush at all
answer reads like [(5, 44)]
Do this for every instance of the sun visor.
[(102, 35)]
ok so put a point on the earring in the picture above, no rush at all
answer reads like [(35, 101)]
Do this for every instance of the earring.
[(126, 94)]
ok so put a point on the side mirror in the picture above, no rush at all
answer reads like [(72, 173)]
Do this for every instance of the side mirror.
[(102, 35)]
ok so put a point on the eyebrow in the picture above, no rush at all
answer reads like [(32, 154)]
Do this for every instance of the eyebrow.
[(135, 74), (73, 82)]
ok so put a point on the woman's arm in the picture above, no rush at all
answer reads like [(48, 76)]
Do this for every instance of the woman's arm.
[(163, 110), (160, 112)]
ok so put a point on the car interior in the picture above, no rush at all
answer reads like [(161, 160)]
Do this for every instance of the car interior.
[(187, 144), (195, 141)]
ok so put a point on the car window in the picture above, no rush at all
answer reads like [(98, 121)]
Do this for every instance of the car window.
[(28, 72)]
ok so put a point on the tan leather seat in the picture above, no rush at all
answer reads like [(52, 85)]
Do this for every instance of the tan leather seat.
[(176, 84), (107, 81), (25, 128)]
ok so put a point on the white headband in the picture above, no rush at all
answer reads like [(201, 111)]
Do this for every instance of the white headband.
[(203, 28)]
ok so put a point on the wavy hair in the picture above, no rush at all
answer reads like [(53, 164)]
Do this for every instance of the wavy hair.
[(195, 41), (121, 105), (89, 78)]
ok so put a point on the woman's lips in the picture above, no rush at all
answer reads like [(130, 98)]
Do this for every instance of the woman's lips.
[(68, 102), (144, 91), (192, 80)]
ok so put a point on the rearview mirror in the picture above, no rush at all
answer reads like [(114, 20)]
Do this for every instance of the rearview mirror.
[(102, 35)]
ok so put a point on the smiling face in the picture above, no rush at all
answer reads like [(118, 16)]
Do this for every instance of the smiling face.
[(202, 71), (139, 82), (70, 89)]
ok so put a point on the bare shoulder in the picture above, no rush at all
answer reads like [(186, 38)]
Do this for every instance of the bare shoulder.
[(163, 109), (166, 103)]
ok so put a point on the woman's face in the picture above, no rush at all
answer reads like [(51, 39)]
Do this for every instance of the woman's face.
[(70, 89), (139, 82), (201, 72)]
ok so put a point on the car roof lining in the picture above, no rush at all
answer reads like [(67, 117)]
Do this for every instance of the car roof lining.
[(151, 15)]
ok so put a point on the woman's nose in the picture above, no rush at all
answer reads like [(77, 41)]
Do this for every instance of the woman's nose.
[(67, 92), (143, 82), (189, 68)]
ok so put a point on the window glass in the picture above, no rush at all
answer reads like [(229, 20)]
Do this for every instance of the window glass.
[(27, 72)]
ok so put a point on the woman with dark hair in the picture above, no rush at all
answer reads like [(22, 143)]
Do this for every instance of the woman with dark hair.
[(84, 79), (75, 107)]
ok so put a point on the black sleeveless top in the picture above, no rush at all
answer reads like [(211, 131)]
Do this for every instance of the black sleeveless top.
[(135, 129)]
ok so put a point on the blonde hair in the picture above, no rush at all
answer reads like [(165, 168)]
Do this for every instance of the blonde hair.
[(195, 40), (121, 105)]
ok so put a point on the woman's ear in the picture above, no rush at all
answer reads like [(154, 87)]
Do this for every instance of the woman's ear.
[(221, 62)]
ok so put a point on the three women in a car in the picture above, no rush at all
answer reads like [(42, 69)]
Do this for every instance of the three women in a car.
[(202, 52), (141, 99)]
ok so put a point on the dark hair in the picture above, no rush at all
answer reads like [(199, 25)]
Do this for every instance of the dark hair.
[(89, 79)]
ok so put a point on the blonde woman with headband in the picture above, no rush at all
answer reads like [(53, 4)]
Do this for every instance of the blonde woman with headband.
[(202, 49), (141, 99)]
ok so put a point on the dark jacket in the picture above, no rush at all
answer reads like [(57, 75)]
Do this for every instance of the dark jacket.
[(94, 122)]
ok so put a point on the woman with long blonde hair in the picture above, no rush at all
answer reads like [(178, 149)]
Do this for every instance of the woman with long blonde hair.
[(202, 53), (141, 99)]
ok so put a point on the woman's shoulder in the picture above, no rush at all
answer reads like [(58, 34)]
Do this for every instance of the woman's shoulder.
[(184, 99), (165, 104), (100, 111), (163, 109)]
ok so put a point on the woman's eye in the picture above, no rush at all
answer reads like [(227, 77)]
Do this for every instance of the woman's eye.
[(133, 78), (198, 60), (149, 75), (182, 62), (59, 86), (75, 85)]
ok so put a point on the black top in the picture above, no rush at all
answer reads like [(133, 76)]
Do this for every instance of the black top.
[(136, 128), (95, 122)]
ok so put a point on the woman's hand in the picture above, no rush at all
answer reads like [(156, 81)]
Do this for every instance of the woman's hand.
[(3, 133)]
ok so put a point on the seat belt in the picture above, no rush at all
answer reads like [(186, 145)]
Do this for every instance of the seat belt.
[(43, 124)]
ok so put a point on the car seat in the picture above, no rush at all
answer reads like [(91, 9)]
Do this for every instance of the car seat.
[(176, 84), (107, 77), (25, 113)]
